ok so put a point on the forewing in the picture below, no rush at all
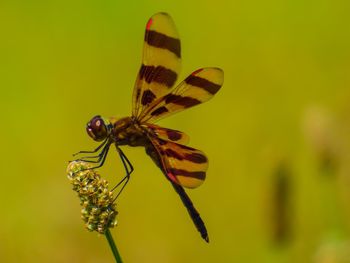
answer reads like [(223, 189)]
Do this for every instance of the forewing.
[(183, 165), (161, 62), (197, 88)]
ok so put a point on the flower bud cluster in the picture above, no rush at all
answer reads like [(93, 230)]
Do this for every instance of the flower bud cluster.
[(98, 209)]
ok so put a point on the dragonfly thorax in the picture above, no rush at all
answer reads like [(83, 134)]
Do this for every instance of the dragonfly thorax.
[(126, 131)]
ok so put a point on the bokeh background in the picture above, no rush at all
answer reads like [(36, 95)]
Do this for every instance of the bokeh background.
[(277, 134)]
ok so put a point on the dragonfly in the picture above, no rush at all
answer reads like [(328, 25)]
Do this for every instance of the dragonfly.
[(155, 97)]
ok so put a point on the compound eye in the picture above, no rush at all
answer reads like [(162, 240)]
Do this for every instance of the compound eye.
[(97, 123), (97, 129)]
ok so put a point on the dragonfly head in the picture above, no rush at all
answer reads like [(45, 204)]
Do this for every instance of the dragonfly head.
[(98, 128)]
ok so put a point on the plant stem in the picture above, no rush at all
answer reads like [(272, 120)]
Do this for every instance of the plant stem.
[(111, 243)]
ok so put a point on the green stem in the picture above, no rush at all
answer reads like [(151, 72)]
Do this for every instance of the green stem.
[(111, 243)]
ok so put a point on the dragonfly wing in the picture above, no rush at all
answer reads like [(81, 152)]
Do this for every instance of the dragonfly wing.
[(161, 62), (182, 165), (167, 134), (197, 88)]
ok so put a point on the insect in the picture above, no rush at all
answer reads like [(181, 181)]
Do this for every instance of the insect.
[(154, 97)]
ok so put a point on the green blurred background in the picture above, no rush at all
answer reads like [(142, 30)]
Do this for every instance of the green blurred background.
[(277, 134)]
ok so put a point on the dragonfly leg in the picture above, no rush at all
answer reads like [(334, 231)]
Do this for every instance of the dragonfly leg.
[(90, 157), (93, 151), (128, 169), (100, 158)]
